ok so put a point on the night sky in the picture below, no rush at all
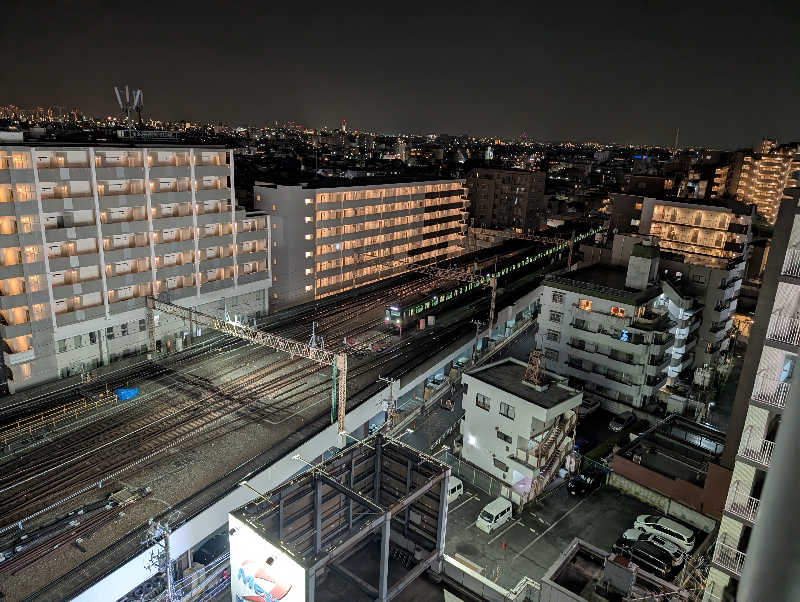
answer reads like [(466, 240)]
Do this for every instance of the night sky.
[(725, 73)]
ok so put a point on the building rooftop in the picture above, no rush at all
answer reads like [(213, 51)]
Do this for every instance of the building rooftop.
[(677, 448), (508, 374), (322, 183), (732, 205), (585, 572), (605, 281)]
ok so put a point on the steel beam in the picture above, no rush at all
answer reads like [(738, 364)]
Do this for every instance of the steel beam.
[(442, 526), (317, 516), (409, 481), (411, 575), (377, 482), (384, 576), (351, 541), (353, 495), (367, 587)]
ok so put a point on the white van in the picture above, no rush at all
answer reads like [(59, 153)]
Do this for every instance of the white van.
[(494, 514), (454, 489)]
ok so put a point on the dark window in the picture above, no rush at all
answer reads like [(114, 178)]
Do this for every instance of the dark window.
[(93, 337), (501, 465), (507, 410), (502, 436), (110, 332), (124, 329), (142, 325), (482, 402), (553, 335), (555, 316)]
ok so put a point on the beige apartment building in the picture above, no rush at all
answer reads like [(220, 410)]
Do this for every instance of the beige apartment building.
[(330, 239), (87, 233), (760, 178)]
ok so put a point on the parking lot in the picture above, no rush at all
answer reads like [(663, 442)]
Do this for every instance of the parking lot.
[(535, 539)]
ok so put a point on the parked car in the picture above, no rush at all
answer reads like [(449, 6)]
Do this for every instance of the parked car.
[(494, 514), (622, 421), (583, 484), (585, 442), (650, 557), (670, 547), (588, 406), (667, 528), (454, 490)]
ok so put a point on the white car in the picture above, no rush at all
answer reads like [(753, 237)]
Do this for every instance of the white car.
[(666, 528), (674, 550)]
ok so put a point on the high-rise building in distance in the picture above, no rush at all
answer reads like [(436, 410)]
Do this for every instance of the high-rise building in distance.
[(87, 233)]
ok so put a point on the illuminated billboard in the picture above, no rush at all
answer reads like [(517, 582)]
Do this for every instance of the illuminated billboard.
[(260, 571)]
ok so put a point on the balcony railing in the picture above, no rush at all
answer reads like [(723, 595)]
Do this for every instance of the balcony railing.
[(741, 504), (729, 558), (791, 264), (774, 396), (784, 329), (756, 449)]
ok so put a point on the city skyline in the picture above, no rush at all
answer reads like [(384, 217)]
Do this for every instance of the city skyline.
[(577, 75)]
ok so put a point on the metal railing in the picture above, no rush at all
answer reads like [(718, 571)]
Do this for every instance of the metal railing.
[(741, 504), (756, 449), (791, 264), (772, 396), (729, 558), (784, 329)]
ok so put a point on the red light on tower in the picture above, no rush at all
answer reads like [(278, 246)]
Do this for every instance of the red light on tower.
[(344, 125)]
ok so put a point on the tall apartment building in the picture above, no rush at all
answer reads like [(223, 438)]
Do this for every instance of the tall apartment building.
[(330, 239), (507, 198), (704, 246), (761, 177), (602, 327), (767, 398), (87, 233)]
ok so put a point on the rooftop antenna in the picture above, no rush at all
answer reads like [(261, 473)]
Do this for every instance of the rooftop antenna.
[(677, 135), (127, 106)]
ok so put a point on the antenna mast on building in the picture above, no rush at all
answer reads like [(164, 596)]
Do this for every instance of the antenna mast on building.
[(677, 135), (534, 373), (129, 106)]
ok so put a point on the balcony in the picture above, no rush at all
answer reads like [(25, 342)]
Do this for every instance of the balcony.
[(784, 329), (756, 449), (791, 264), (773, 396), (740, 504), (729, 558)]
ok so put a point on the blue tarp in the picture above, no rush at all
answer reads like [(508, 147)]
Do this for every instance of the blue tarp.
[(126, 394)]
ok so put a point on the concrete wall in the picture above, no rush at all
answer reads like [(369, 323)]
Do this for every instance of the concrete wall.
[(666, 505)]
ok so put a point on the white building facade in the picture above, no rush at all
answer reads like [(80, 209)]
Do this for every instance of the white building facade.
[(86, 233), (515, 430)]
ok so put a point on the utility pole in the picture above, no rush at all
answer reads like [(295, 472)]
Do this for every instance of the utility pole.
[(158, 533), (391, 410), (478, 325)]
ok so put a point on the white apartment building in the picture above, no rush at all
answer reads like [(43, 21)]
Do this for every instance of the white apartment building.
[(516, 430), (329, 239), (766, 400), (605, 328), (704, 246), (86, 233)]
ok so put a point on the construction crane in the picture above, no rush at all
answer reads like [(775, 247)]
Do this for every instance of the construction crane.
[(318, 354), (438, 271)]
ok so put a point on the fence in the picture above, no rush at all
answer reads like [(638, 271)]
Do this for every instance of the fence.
[(472, 474), (447, 433)]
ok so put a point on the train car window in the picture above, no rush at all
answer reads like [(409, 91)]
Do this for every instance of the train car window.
[(411, 312)]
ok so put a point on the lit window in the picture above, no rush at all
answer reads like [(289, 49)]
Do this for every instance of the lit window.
[(274, 208), (274, 243), (308, 271), (258, 197), (308, 236), (309, 201), (638, 206), (585, 304), (618, 311), (308, 288), (309, 219), (309, 254)]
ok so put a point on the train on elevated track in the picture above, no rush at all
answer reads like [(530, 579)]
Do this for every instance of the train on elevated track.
[(406, 312)]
